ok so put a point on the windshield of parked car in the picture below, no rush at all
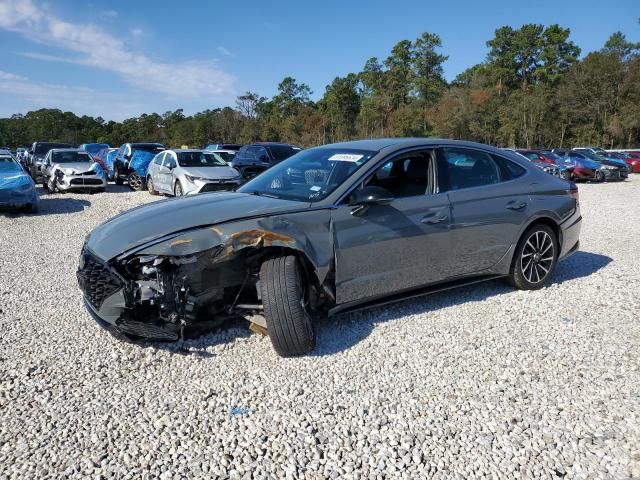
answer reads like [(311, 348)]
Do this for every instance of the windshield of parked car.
[(282, 152), (8, 165), (148, 148), (225, 156), (43, 148), (308, 176), (200, 159), (70, 157)]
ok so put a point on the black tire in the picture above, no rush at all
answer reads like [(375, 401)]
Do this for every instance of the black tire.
[(534, 252), (101, 190), (150, 186), (117, 175), (177, 189), (288, 323), (136, 182)]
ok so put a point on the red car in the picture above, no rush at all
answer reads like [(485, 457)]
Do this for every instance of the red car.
[(631, 158), (99, 157), (537, 156)]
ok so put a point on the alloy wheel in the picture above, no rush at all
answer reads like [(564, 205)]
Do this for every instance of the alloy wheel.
[(537, 257), (135, 181)]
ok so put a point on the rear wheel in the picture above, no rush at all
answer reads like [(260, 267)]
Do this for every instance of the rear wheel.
[(535, 258), (283, 296), (150, 186), (177, 190), (136, 182)]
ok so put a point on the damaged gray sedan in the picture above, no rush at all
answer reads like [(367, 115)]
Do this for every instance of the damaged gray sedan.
[(331, 229)]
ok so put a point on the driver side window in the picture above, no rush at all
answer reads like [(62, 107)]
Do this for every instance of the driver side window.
[(407, 176)]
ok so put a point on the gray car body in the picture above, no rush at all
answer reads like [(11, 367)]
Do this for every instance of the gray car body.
[(388, 253), (86, 176), (165, 175)]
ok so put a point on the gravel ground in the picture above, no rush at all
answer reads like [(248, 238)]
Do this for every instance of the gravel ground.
[(482, 381)]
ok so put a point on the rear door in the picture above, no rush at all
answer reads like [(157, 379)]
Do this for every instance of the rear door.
[(490, 203), (154, 171), (395, 247)]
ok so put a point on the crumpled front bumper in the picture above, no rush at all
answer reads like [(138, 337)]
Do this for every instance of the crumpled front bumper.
[(81, 182)]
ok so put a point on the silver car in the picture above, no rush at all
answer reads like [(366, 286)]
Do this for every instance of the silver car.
[(186, 172), (68, 169)]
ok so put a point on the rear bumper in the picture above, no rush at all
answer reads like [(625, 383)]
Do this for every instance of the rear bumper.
[(570, 234)]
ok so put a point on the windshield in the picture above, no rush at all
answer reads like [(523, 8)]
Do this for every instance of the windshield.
[(8, 165), (94, 148), (282, 152), (226, 156), (43, 148), (70, 157), (200, 159), (308, 176), (147, 148)]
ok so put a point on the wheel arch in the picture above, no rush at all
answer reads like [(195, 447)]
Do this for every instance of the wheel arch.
[(539, 220)]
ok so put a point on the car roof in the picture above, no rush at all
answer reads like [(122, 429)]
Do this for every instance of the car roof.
[(392, 144), (68, 150), (177, 150), (146, 144), (262, 144)]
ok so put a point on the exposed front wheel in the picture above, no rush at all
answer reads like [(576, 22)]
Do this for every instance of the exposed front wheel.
[(136, 182), (150, 186), (177, 190), (599, 176), (283, 297), (535, 258)]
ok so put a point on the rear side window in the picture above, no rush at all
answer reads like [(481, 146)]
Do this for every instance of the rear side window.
[(158, 158), (469, 168), (508, 169)]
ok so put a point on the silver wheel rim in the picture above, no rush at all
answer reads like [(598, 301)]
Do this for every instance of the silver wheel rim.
[(537, 257), (135, 181), (178, 190)]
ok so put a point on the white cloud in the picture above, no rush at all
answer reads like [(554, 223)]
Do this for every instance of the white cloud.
[(81, 100), (224, 51), (94, 47), (137, 32)]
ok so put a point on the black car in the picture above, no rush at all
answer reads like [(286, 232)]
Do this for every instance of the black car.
[(331, 229), (258, 157), (134, 170), (36, 154)]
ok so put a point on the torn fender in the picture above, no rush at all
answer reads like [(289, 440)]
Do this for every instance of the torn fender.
[(306, 232)]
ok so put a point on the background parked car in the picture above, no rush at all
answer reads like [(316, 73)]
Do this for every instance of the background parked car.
[(184, 172), (109, 159), (631, 159), (93, 148), (132, 161), (604, 170), (258, 157), (17, 188), (101, 158), (542, 162), (36, 154), (72, 169), (224, 146)]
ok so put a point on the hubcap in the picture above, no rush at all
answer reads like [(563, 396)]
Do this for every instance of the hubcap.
[(537, 257)]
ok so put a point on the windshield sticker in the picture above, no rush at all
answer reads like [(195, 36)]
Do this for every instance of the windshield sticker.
[(345, 157), (315, 188)]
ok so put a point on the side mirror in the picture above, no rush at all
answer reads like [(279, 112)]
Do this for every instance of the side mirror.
[(371, 195)]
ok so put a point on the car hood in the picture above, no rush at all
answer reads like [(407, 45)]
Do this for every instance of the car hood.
[(79, 167), (210, 172), (154, 221)]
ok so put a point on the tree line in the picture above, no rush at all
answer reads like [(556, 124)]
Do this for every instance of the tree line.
[(532, 90)]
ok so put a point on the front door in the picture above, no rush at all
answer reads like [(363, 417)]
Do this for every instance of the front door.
[(389, 248)]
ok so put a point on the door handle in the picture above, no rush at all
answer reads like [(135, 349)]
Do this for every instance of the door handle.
[(433, 220), (517, 206)]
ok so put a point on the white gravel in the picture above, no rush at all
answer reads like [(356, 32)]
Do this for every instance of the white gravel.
[(482, 381)]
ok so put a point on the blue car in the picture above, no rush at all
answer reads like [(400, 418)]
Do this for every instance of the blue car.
[(93, 148), (109, 160), (132, 161), (17, 189)]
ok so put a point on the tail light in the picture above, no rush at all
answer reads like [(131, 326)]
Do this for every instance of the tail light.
[(573, 192)]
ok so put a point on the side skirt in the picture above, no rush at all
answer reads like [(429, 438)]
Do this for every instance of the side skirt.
[(413, 293)]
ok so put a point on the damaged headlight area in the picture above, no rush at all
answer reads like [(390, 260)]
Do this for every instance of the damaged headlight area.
[(160, 296)]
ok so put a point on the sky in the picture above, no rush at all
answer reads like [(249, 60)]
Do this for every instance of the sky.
[(118, 59)]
